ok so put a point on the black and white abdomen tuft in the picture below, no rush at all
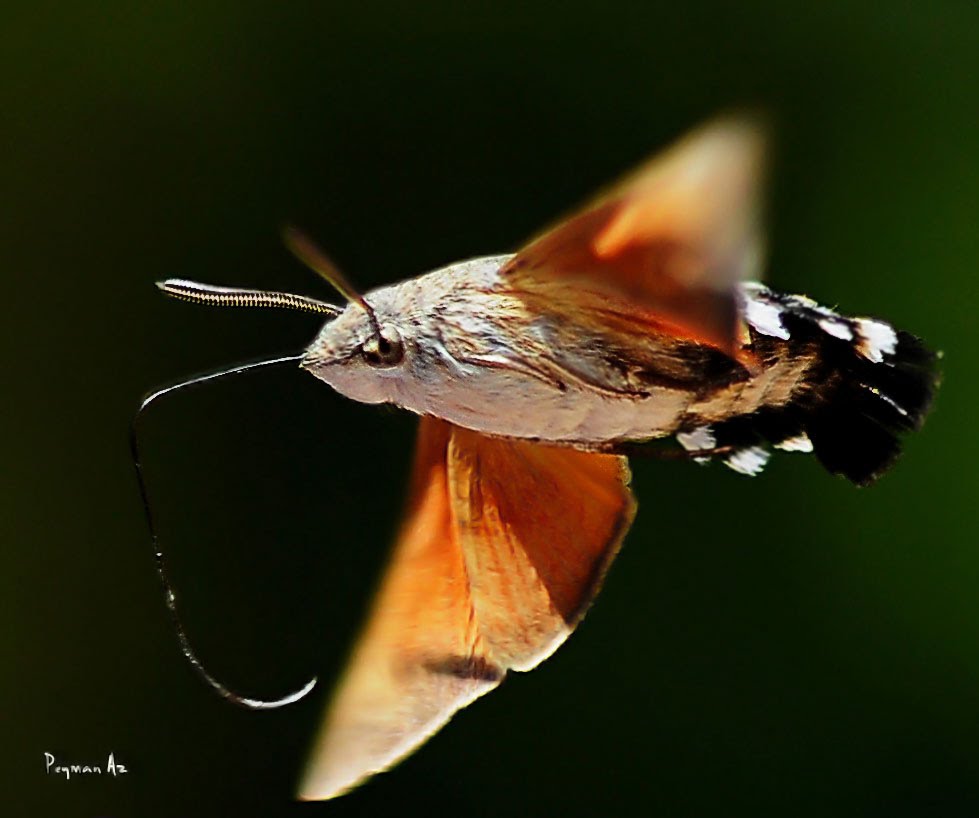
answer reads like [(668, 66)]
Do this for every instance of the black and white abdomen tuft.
[(868, 384)]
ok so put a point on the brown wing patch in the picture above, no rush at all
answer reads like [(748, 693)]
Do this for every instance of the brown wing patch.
[(538, 526), (503, 546), (674, 238)]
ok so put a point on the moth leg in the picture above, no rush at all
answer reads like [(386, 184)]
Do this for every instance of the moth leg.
[(638, 450), (644, 449)]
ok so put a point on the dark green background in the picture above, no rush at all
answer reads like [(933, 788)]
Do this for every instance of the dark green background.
[(787, 645)]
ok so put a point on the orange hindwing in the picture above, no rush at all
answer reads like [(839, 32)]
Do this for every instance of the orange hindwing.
[(504, 545)]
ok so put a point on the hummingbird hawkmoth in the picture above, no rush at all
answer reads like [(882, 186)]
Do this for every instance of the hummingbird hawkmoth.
[(535, 375)]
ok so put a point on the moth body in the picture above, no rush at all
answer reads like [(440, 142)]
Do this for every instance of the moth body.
[(583, 368)]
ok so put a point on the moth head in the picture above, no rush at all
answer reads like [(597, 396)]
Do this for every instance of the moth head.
[(361, 353)]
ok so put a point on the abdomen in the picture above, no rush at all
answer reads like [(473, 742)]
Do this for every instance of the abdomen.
[(582, 373)]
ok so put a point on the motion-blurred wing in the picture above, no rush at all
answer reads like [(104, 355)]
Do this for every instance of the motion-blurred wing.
[(504, 545), (420, 658), (674, 238)]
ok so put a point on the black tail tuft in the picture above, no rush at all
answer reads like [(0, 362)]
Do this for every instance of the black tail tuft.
[(869, 385), (856, 430)]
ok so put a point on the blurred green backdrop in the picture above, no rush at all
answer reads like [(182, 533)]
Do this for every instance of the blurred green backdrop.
[(787, 645)]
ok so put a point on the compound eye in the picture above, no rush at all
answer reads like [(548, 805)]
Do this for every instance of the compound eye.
[(385, 350)]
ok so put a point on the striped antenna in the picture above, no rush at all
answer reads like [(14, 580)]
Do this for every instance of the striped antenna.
[(211, 295)]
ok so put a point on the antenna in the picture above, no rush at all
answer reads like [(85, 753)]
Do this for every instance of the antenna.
[(233, 297), (306, 250)]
